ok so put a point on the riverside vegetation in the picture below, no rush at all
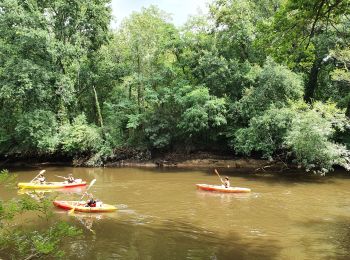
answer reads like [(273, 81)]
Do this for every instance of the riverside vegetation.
[(263, 78), (20, 241)]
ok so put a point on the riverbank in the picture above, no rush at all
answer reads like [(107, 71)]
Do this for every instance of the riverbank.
[(170, 160), (198, 161)]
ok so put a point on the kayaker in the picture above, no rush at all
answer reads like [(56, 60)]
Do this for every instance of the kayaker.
[(226, 182), (91, 202), (70, 178), (41, 179)]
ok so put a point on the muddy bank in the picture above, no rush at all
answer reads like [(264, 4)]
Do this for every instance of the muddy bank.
[(193, 163), (144, 159), (199, 160), (192, 160)]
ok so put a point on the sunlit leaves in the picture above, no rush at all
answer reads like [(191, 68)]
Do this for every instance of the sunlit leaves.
[(310, 138), (134, 121), (80, 137), (274, 84), (265, 133), (306, 132), (201, 111)]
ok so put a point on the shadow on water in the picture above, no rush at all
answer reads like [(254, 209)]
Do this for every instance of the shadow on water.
[(331, 237), (169, 240)]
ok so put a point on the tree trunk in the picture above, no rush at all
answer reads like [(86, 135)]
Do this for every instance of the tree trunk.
[(139, 84), (347, 112), (99, 114), (311, 86)]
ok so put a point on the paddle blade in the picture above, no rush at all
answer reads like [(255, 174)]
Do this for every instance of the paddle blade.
[(217, 173), (91, 183), (42, 171), (71, 211)]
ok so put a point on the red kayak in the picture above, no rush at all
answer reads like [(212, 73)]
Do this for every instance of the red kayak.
[(221, 188), (80, 206)]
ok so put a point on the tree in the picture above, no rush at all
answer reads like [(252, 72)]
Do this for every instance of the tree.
[(300, 132), (310, 138), (44, 45), (301, 35), (341, 76), (274, 84)]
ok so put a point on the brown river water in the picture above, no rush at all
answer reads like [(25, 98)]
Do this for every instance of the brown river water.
[(161, 215)]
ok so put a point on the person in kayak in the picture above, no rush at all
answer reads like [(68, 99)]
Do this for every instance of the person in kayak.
[(41, 179), (70, 178), (226, 183), (91, 202)]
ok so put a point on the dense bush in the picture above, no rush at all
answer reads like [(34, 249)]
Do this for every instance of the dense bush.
[(80, 137), (274, 84), (37, 131), (310, 138), (298, 131)]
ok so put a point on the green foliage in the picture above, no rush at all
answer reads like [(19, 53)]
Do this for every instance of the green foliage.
[(80, 137), (43, 46), (41, 244), (274, 84), (201, 111), (236, 23), (304, 132), (159, 132), (265, 133), (341, 77), (37, 131), (18, 242), (310, 138)]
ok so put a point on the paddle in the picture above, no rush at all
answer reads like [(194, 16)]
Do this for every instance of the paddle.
[(90, 185), (60, 177), (41, 172), (218, 175)]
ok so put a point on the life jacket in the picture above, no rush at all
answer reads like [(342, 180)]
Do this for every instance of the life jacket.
[(92, 203)]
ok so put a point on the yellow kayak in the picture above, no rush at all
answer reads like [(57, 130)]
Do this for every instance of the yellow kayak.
[(50, 185), (80, 206)]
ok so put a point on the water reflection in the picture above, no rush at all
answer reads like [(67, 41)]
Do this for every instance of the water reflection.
[(226, 197), (163, 242), (41, 194), (74, 190)]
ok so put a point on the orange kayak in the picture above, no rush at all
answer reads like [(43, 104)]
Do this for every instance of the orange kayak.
[(80, 206), (220, 188)]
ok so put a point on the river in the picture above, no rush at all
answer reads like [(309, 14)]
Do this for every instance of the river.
[(161, 215)]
